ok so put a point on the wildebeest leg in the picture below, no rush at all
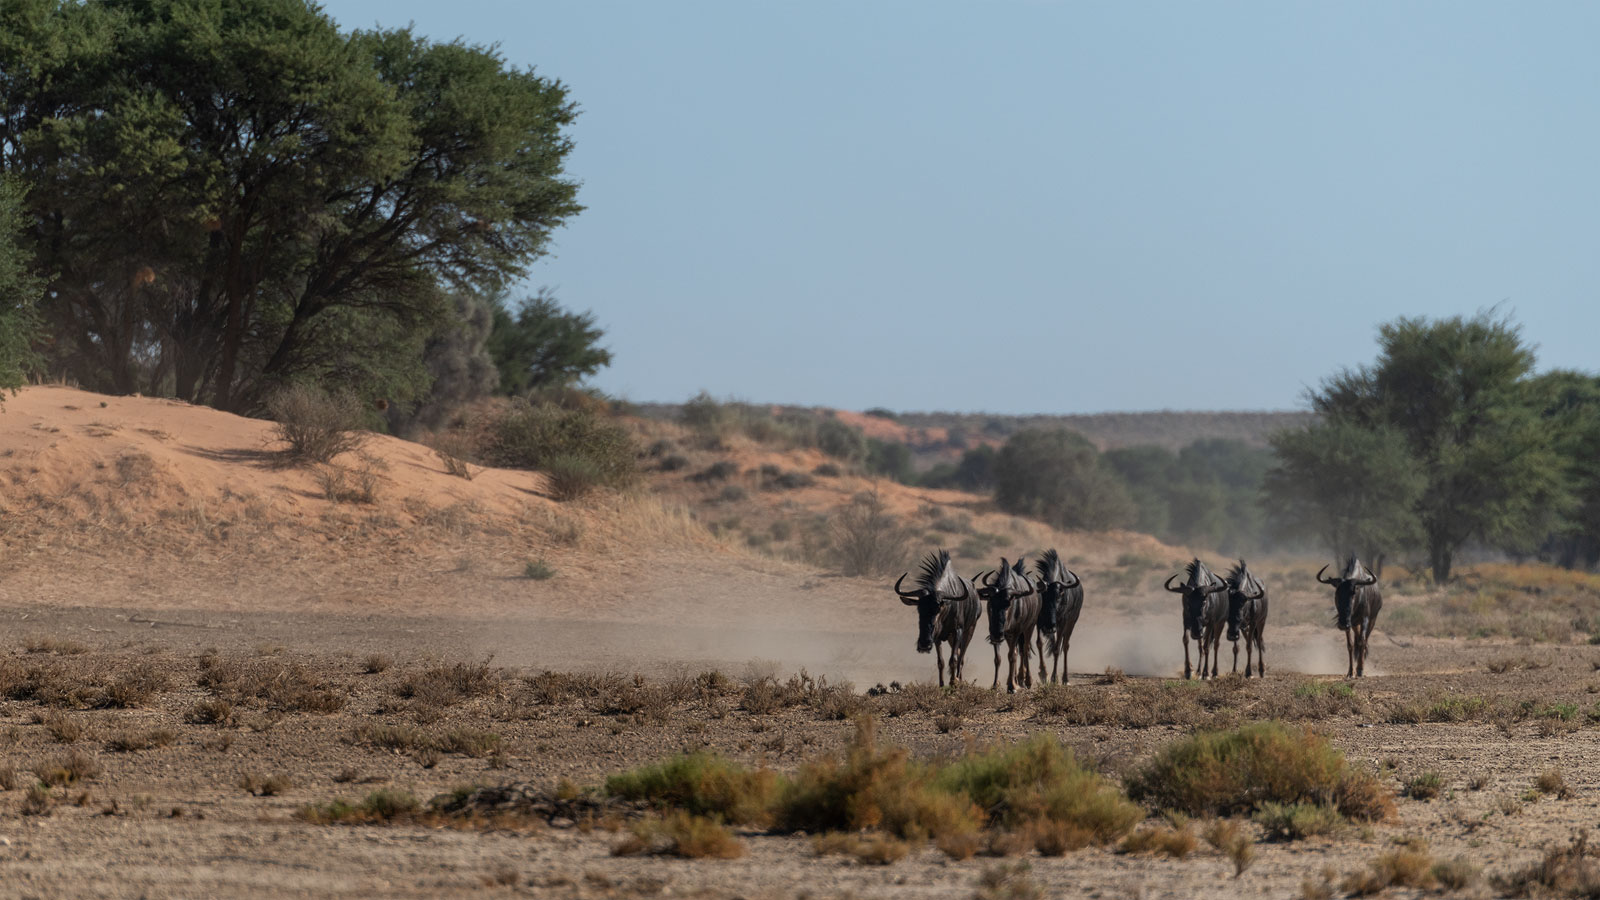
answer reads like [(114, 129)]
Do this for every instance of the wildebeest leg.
[(1261, 655), (1216, 654), (996, 684), (1066, 673), (1350, 652), (938, 657), (1027, 670), (1249, 644), (1011, 666), (1039, 642), (1186, 655), (1236, 658)]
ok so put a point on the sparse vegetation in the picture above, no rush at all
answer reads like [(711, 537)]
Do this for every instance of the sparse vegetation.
[(316, 425), (1236, 771)]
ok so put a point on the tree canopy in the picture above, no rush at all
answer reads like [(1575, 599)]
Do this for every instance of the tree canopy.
[(233, 195), (1445, 412), (19, 291)]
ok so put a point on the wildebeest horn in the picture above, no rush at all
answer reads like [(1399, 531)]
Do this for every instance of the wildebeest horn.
[(988, 578), (966, 591), (905, 593), (1168, 585), (1372, 580), (1212, 589), (1075, 581), (1326, 580)]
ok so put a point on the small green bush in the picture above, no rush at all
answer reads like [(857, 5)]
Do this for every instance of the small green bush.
[(703, 784), (538, 570), (1040, 779), (570, 476), (1297, 821), (1237, 771), (537, 436)]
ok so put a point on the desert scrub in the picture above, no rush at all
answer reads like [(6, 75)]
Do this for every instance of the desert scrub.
[(316, 425), (702, 784), (1297, 821), (582, 445), (683, 835), (1236, 771), (385, 805), (872, 786), (1039, 780)]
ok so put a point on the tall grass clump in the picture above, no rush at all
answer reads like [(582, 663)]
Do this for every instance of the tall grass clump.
[(315, 424), (1238, 771), (1040, 785), (872, 786), (703, 784), (579, 447)]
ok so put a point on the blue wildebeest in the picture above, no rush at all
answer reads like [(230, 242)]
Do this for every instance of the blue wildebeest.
[(1356, 601), (1247, 617), (1204, 613), (947, 611), (1013, 614), (1060, 602)]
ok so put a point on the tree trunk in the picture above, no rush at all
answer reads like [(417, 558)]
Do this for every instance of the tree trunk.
[(1439, 556)]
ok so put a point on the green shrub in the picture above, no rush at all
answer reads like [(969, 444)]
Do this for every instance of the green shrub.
[(1040, 780), (538, 570), (1296, 821), (536, 436), (704, 784), (873, 787), (570, 476), (1236, 771)]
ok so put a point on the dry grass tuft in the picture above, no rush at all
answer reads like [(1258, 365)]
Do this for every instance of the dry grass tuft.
[(69, 769), (1570, 871), (1227, 837), (450, 685), (1550, 781), (266, 785), (130, 741), (1425, 786), (1174, 842), (1407, 867), (869, 849), (683, 835)]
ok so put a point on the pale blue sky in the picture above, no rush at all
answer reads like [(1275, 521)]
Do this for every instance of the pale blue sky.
[(1056, 207)]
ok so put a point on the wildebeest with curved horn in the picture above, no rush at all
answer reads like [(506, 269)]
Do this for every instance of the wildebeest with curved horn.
[(1247, 617), (1060, 602), (1203, 613), (1356, 601), (947, 611), (1013, 614)]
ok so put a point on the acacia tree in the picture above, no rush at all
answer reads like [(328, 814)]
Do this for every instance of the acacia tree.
[(235, 194), (1455, 392), (1569, 406), (540, 345), (1355, 488)]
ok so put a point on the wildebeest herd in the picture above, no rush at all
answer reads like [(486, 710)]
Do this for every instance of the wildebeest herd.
[(1039, 610)]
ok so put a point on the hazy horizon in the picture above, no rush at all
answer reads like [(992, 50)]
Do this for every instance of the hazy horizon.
[(1042, 208)]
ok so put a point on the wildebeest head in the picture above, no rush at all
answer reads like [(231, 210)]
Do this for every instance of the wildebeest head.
[(936, 585), (1053, 580), (1197, 590), (1242, 589), (1346, 588), (998, 589)]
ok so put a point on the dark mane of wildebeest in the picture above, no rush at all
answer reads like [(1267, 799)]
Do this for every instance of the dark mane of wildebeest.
[(1356, 602), (1204, 613), (1013, 614), (1060, 603), (947, 610), (1247, 617)]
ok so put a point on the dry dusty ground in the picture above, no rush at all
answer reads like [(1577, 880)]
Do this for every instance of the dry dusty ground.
[(174, 821)]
